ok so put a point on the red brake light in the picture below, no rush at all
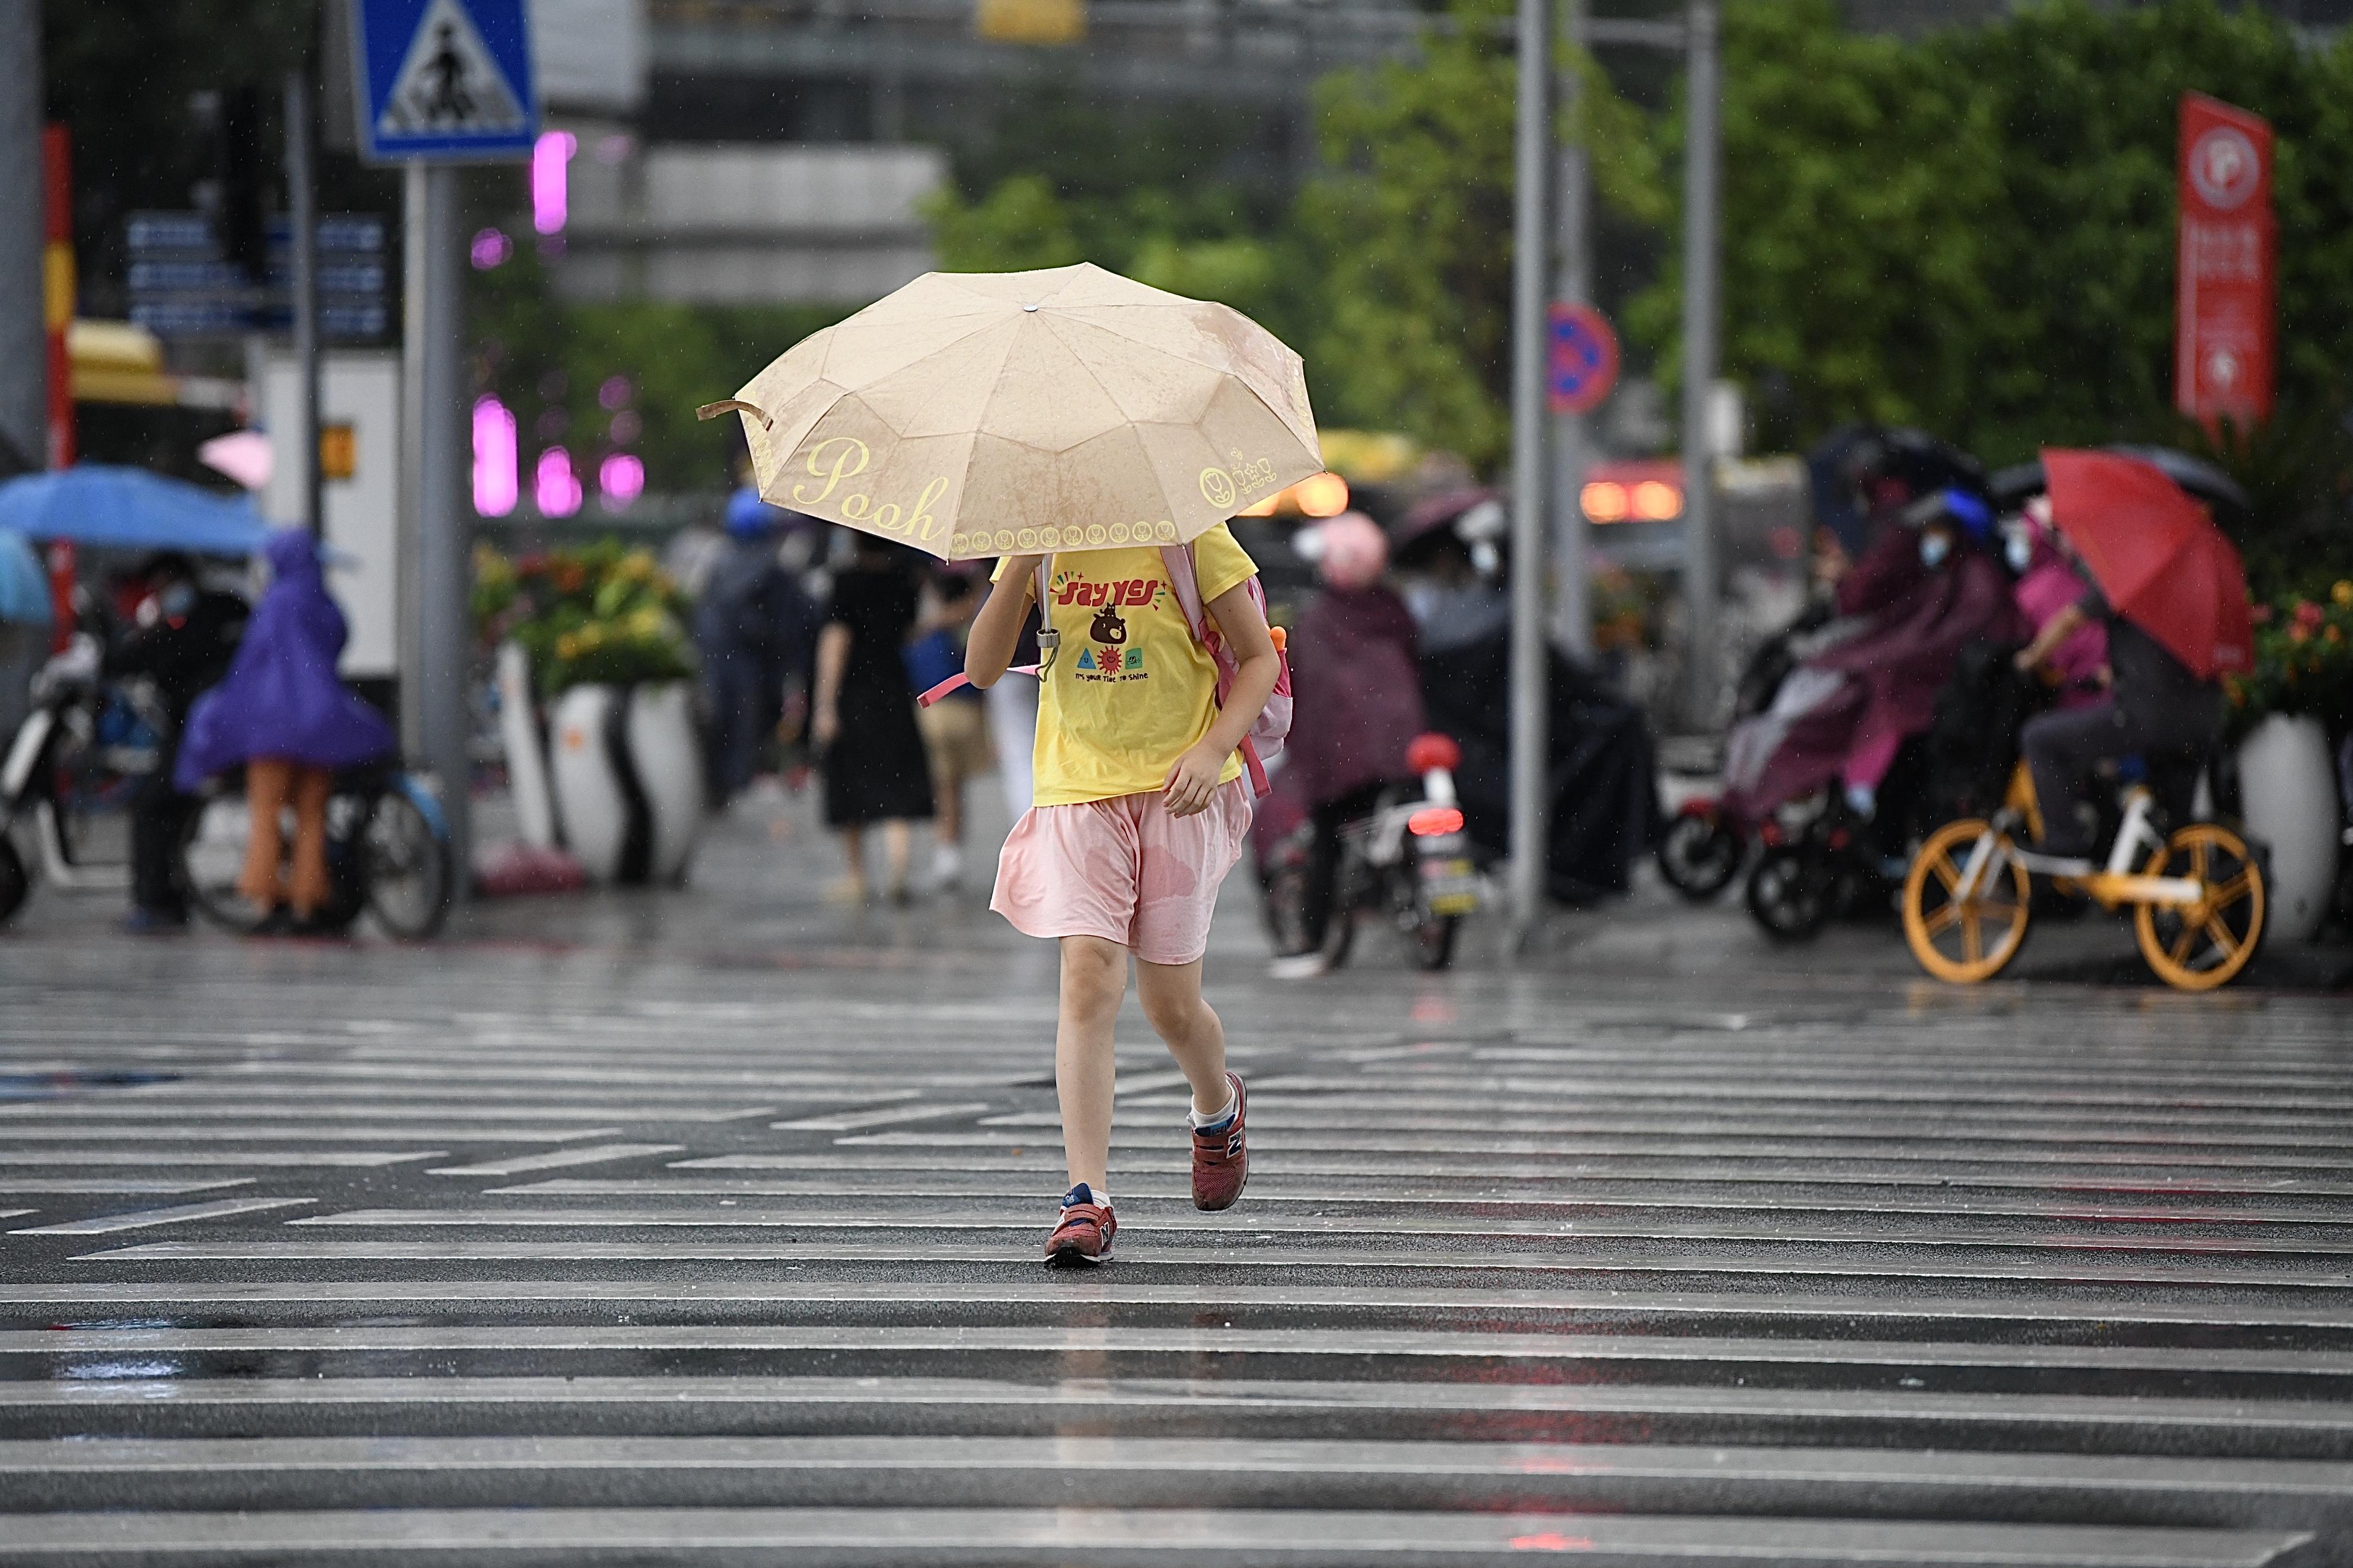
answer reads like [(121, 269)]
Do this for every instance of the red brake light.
[(1434, 822), (1434, 751)]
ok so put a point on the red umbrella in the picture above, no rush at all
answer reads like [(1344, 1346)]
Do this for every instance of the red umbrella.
[(2157, 555)]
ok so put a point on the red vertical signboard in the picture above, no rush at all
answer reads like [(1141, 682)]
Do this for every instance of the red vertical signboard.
[(2226, 289)]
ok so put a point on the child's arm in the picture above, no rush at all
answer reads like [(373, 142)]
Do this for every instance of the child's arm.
[(1194, 779), (996, 630)]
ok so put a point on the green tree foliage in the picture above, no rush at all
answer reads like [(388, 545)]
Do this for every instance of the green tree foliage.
[(1975, 232), (548, 359)]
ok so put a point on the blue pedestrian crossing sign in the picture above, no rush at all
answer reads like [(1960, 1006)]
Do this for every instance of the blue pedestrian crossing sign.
[(444, 80), (1580, 358)]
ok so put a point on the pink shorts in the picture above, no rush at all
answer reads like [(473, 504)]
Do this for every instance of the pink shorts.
[(1124, 870)]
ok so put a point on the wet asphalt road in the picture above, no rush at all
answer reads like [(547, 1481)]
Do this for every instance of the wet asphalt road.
[(699, 1228)]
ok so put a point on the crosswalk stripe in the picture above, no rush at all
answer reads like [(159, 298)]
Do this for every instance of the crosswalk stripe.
[(1160, 1533), (1425, 1345), (460, 1294), (147, 1219), (595, 1155)]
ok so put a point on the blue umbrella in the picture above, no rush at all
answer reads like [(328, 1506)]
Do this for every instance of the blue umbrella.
[(24, 586), (129, 508)]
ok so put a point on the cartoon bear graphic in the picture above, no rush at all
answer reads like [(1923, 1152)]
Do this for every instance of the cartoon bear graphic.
[(1108, 627)]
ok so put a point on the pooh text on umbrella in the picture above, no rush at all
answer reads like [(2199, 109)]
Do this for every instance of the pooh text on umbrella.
[(839, 458)]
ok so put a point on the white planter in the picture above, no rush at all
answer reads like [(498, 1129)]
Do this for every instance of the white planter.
[(2288, 787), (589, 799), (627, 767), (526, 761), (667, 755)]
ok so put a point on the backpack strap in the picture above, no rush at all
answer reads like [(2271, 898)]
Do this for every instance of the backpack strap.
[(1049, 641), (1183, 575)]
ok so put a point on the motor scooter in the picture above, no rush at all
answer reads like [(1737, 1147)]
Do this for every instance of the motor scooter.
[(1406, 861), (82, 750)]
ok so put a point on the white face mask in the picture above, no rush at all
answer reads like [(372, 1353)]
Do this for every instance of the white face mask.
[(2018, 553), (1934, 548)]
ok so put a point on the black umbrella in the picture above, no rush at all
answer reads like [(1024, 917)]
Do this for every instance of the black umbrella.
[(1853, 455)]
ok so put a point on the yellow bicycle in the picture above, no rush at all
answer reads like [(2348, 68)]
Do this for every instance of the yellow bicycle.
[(2198, 898)]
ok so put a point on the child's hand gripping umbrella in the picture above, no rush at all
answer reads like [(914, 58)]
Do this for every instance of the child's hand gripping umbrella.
[(972, 415)]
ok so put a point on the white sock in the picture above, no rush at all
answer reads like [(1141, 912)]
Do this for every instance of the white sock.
[(1200, 1121)]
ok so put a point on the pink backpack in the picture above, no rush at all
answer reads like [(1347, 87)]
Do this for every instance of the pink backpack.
[(1272, 725)]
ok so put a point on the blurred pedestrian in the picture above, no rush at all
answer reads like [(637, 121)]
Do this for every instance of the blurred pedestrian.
[(284, 713), (1012, 705), (183, 637), (1356, 694), (2077, 665), (1142, 810), (757, 632), (955, 728), (863, 715)]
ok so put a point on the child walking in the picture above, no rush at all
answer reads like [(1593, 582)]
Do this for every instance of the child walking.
[(1141, 809)]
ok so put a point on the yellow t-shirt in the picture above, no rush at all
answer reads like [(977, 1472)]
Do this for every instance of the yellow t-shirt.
[(1132, 689)]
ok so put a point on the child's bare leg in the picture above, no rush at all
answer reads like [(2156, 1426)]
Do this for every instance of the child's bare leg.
[(1171, 994), (1094, 979)]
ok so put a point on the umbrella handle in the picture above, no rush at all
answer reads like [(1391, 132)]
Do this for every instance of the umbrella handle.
[(734, 405)]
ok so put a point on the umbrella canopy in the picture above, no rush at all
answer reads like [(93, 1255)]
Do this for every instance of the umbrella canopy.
[(982, 413), (1849, 457), (130, 509), (2012, 487), (23, 586), (2157, 554)]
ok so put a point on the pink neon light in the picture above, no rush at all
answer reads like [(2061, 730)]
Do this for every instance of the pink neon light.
[(620, 479), (495, 480), (554, 486), (550, 191)]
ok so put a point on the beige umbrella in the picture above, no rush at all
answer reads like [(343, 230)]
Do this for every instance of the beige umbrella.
[(982, 413)]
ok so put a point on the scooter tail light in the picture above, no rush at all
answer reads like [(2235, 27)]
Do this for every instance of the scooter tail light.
[(1434, 822)]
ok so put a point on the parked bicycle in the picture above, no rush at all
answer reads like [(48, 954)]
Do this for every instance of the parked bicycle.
[(388, 853)]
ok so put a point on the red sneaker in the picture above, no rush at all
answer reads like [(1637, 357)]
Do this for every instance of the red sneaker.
[(1221, 1156), (1084, 1234)]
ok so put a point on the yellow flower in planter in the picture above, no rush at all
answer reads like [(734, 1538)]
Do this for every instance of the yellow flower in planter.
[(2343, 593)]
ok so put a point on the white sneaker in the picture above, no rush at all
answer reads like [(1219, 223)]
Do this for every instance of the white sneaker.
[(1299, 966), (947, 869)]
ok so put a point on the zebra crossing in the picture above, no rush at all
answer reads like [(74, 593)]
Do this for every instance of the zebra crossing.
[(393, 1257)]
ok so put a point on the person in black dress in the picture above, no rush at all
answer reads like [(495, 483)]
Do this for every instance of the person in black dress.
[(862, 716)]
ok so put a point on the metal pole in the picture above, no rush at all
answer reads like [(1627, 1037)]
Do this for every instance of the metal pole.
[(1700, 158), (444, 635), (23, 333), (1572, 605), (407, 532), (1533, 176), (302, 220)]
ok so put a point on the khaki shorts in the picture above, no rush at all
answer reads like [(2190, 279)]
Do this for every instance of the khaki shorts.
[(956, 735)]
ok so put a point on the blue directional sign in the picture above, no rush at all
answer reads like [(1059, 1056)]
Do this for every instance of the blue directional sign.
[(1580, 358), (444, 80)]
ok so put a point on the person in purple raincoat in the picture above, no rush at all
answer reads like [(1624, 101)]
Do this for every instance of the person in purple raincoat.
[(284, 713)]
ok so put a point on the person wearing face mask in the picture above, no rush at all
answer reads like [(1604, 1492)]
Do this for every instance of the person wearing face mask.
[(2077, 664), (1846, 713), (183, 638)]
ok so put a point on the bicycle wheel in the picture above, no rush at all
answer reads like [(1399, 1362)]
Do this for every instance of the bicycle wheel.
[(211, 854), (15, 882), (404, 859), (2205, 944), (1699, 855), (1964, 941), (1789, 893)]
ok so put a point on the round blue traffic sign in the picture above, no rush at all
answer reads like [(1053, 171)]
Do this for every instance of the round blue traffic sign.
[(1580, 358)]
